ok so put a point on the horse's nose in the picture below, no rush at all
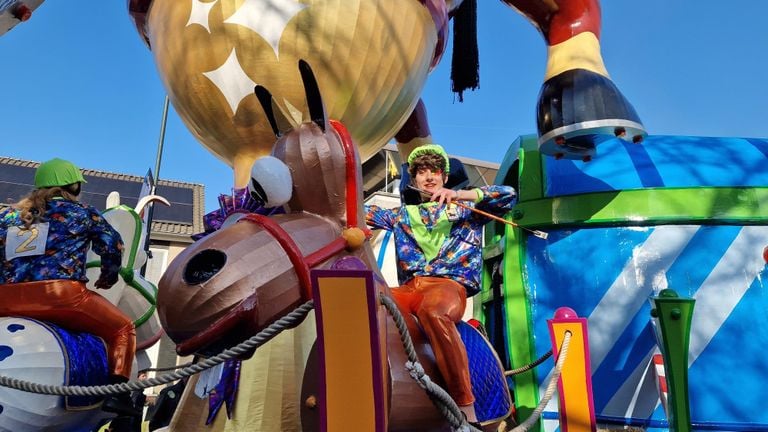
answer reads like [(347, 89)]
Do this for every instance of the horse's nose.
[(204, 265)]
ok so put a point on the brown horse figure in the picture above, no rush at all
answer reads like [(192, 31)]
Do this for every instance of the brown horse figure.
[(238, 280)]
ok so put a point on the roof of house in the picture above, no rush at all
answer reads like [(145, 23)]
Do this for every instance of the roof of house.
[(175, 223)]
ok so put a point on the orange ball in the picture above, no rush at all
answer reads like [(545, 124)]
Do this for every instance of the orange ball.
[(355, 237)]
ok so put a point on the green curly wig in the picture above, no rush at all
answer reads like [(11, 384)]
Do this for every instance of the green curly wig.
[(427, 149)]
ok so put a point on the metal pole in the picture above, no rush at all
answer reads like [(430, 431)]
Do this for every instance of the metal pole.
[(386, 171), (153, 187), (160, 143)]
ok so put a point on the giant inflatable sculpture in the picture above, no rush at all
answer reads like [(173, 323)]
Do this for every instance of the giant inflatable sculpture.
[(371, 58)]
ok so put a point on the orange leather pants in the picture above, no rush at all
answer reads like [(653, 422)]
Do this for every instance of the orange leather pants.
[(73, 306), (439, 304)]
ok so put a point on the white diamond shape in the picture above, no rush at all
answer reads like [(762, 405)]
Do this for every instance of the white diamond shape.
[(199, 13), (232, 81), (268, 18)]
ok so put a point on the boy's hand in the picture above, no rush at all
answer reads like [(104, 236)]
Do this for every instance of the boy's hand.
[(444, 195)]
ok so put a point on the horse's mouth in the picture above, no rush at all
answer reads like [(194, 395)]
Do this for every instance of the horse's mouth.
[(203, 266)]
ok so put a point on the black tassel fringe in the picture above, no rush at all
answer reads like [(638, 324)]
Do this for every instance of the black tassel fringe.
[(465, 61)]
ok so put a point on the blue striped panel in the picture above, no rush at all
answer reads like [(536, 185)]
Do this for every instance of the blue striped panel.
[(570, 269), (661, 161), (557, 277), (700, 257), (727, 381), (691, 268), (634, 343)]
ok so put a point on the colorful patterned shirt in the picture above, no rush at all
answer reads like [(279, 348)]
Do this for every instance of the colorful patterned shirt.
[(56, 247), (432, 240)]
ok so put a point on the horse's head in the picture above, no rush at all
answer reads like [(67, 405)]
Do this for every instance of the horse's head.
[(133, 294), (234, 282)]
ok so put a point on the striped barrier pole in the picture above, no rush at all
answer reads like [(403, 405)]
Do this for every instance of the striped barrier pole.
[(674, 316), (577, 409), (661, 381)]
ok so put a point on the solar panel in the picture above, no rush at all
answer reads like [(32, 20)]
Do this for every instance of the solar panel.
[(17, 181)]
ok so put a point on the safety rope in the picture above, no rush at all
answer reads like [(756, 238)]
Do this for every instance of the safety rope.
[(291, 320), (169, 368), (443, 401), (551, 387), (529, 366), (440, 398)]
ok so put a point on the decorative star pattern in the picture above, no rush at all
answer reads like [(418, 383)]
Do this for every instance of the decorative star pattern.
[(232, 81), (268, 18), (199, 13)]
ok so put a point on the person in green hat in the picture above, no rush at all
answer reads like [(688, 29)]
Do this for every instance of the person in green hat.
[(438, 248), (44, 240)]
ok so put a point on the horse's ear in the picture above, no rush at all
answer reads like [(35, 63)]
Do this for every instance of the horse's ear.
[(314, 100), (277, 118)]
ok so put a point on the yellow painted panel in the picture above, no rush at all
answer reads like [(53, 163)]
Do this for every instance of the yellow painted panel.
[(346, 341), (574, 379)]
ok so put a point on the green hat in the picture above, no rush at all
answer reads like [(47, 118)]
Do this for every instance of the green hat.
[(57, 172), (427, 149)]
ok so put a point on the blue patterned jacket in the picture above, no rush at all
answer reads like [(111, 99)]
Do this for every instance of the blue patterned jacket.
[(56, 247), (433, 240)]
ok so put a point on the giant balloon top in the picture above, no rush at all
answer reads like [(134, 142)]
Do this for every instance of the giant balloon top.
[(371, 60)]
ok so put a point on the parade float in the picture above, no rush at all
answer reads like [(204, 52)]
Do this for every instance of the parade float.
[(625, 217), (371, 63), (670, 213)]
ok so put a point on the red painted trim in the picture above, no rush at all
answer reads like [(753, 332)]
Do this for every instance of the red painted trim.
[(291, 249), (326, 252), (351, 171), (571, 18)]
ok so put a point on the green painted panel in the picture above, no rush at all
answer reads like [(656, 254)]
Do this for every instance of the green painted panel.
[(531, 173), (649, 206), (519, 325)]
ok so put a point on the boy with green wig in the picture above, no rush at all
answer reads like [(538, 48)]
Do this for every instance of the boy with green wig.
[(439, 258)]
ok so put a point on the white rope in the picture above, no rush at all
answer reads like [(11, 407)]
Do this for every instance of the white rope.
[(437, 394), (439, 397), (551, 387), (291, 320)]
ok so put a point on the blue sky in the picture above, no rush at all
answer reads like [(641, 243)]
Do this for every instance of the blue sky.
[(77, 82)]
